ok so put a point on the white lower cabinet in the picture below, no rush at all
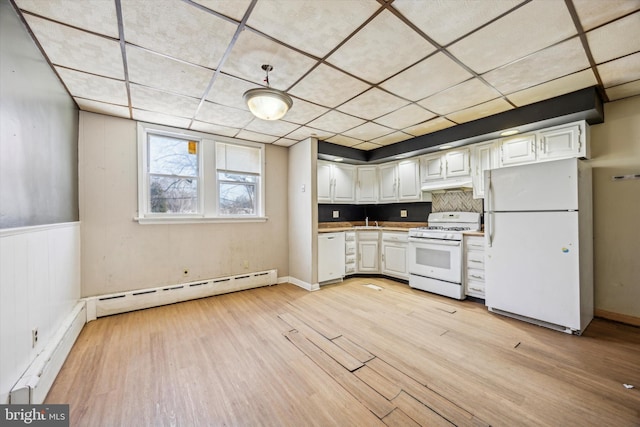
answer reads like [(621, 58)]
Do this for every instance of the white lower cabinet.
[(394, 254), (331, 256), (474, 266), (368, 252)]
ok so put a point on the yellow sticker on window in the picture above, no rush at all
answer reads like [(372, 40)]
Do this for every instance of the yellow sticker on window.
[(193, 147)]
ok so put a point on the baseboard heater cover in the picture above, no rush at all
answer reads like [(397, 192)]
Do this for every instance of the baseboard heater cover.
[(122, 302), (34, 384)]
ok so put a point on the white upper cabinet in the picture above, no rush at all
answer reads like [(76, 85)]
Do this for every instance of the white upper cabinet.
[(563, 141), (388, 174), (457, 163), (431, 167), (400, 181), (482, 159), (325, 182), (336, 183), (367, 184), (517, 150), (409, 180)]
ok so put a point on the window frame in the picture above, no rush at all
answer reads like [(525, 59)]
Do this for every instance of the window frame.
[(208, 186)]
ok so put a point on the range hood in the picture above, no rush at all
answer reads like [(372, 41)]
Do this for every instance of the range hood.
[(464, 184)]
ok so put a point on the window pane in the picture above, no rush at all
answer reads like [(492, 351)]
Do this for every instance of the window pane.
[(236, 177), (173, 156), (173, 195)]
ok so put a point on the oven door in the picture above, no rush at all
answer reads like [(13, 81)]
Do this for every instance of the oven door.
[(437, 259)]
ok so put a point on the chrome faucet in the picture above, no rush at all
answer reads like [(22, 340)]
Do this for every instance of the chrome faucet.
[(376, 223), (366, 222)]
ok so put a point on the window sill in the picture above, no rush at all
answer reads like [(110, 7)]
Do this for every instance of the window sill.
[(199, 220)]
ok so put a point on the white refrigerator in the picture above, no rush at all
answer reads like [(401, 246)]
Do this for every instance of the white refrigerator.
[(539, 243)]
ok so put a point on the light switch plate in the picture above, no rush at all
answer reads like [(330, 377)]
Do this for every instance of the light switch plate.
[(403, 213), (336, 214)]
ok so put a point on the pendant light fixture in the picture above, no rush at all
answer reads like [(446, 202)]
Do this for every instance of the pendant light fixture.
[(267, 103)]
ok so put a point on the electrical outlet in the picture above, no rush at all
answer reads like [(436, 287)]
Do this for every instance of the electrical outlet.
[(336, 214), (34, 337), (403, 213)]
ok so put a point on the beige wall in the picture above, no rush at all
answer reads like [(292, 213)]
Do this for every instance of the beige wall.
[(615, 150), (119, 254), (303, 213)]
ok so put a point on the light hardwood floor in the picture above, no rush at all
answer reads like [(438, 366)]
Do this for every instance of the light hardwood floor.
[(346, 355)]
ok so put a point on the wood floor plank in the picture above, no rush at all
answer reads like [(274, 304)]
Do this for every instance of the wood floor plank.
[(397, 418), (419, 412), (353, 349), (373, 400), (379, 383), (338, 354)]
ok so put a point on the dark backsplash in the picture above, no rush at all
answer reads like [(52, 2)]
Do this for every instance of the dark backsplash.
[(416, 212)]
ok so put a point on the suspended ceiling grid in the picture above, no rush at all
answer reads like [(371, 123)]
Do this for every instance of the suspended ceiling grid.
[(362, 73)]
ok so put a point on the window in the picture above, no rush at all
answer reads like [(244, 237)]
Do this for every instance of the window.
[(187, 176)]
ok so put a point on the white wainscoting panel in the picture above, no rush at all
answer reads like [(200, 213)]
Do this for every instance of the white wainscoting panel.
[(39, 288)]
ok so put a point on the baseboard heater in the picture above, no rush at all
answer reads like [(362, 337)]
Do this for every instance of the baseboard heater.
[(106, 305), (34, 384)]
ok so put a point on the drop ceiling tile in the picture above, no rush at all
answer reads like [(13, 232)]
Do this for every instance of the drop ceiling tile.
[(367, 146), (223, 116), (177, 29), (161, 119), (144, 98), (616, 39), (592, 13), (77, 49), (432, 75), (228, 90), (94, 87), (256, 137), (532, 27), (367, 53), (303, 112), (315, 27), (405, 117), (150, 69), (434, 125), (102, 108), (392, 138), (232, 8), (372, 104), (548, 64), (344, 140), (97, 16), (446, 21), (624, 90), (327, 86), (214, 129), (480, 111), (554, 88), (252, 50), (336, 122), (285, 142), (464, 95), (620, 71), (368, 131), (304, 132), (272, 127)]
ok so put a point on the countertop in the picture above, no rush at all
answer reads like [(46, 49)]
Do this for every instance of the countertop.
[(334, 227)]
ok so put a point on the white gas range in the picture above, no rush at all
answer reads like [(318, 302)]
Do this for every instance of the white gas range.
[(435, 253)]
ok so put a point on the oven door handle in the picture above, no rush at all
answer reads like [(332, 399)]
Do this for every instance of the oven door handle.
[(435, 241)]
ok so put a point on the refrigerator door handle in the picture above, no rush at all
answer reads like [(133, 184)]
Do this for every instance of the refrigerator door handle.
[(489, 210)]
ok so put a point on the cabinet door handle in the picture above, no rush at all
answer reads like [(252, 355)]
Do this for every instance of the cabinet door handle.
[(475, 276), (471, 260)]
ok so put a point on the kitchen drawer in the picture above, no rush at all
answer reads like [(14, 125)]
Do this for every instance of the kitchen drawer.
[(349, 236), (399, 237), (350, 248), (349, 268), (475, 243), (368, 235), (475, 274), (475, 288), (475, 259)]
